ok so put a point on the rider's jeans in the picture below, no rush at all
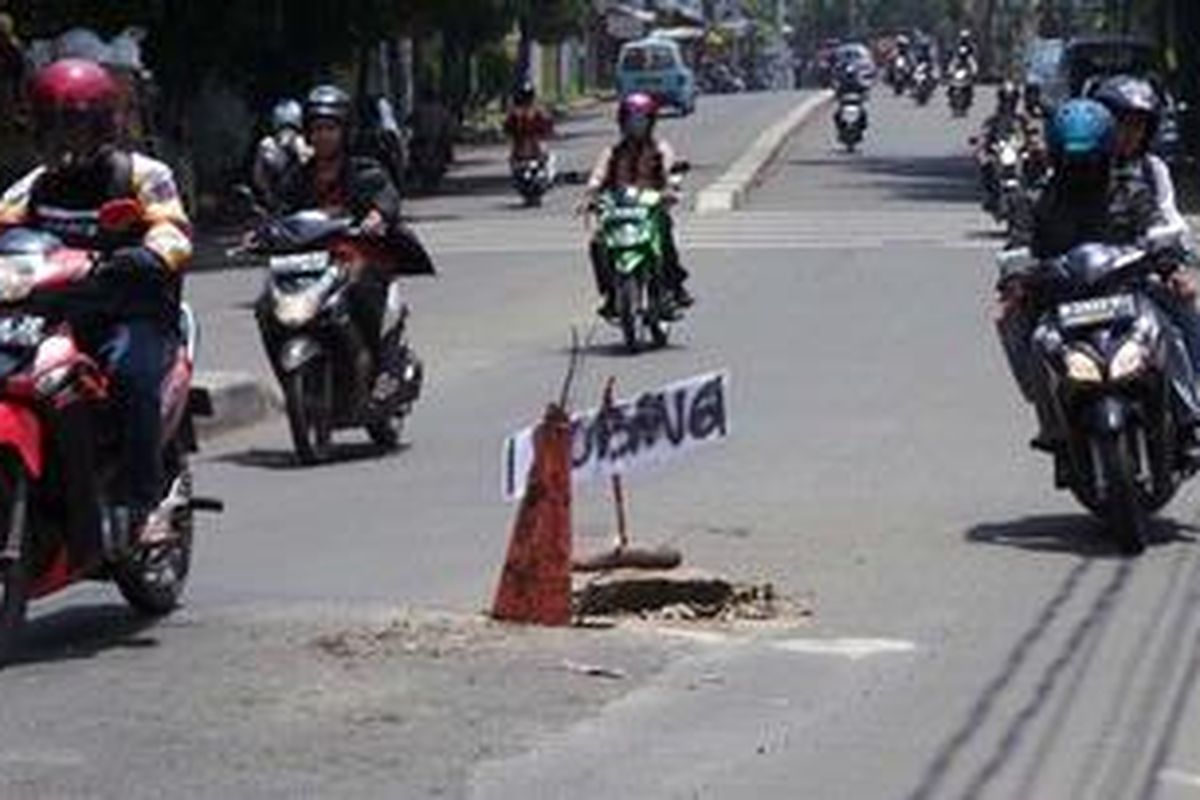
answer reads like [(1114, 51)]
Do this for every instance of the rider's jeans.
[(135, 353)]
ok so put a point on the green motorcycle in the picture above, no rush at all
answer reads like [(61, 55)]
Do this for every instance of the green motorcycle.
[(632, 233)]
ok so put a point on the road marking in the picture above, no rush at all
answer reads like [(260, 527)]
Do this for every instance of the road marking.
[(1180, 778), (853, 649)]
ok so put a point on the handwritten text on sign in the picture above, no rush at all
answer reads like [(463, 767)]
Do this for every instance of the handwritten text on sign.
[(644, 431)]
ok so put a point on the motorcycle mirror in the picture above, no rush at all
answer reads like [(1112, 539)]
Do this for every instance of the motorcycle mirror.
[(1015, 261), (118, 216), (681, 168)]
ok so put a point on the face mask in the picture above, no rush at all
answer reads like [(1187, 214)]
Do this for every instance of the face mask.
[(637, 127)]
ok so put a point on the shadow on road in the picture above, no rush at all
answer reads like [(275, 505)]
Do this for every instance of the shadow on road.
[(929, 179), (1076, 534), (285, 460), (73, 634)]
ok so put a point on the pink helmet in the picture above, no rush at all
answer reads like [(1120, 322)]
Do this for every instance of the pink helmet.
[(637, 113)]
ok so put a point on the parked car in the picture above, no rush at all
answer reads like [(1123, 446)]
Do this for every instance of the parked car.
[(656, 66)]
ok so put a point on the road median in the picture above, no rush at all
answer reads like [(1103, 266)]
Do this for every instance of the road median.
[(729, 191)]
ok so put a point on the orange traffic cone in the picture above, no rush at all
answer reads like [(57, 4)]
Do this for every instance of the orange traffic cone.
[(535, 586)]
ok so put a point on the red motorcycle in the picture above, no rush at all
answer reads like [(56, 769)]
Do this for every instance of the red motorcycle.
[(60, 443)]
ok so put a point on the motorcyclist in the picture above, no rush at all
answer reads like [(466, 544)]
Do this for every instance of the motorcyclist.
[(341, 184), (134, 324), (644, 161), (279, 151), (528, 125), (849, 79), (965, 50), (964, 53), (1007, 121), (1081, 203), (1137, 107)]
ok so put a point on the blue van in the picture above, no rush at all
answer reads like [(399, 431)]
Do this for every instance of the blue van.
[(656, 66)]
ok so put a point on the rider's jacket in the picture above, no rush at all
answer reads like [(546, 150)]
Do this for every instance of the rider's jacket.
[(528, 127), (67, 202), (643, 164), (363, 185), (1061, 219)]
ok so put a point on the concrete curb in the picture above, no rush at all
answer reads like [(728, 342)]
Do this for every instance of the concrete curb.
[(729, 191), (238, 399)]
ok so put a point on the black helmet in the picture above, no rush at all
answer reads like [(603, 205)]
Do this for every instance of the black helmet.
[(1007, 96), (525, 93), (1126, 95), (327, 102)]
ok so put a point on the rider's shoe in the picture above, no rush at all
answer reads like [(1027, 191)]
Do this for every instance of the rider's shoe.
[(608, 309), (683, 298)]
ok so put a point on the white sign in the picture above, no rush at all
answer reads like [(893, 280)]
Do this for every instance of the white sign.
[(647, 430)]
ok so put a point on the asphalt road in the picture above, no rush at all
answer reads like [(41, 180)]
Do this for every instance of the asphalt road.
[(972, 636)]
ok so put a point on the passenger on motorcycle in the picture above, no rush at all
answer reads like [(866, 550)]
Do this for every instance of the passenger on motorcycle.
[(134, 329), (341, 184), (644, 161), (279, 152), (528, 125), (1084, 202), (1138, 172)]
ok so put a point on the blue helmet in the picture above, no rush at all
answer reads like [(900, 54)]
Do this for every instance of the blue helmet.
[(1082, 130)]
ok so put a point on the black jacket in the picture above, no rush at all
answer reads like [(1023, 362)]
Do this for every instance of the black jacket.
[(366, 187)]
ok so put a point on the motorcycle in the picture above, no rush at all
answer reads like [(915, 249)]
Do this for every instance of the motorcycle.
[(924, 83), (1104, 346), (960, 92), (900, 75), (532, 178), (317, 348), (1007, 169), (61, 458), (633, 236), (851, 120)]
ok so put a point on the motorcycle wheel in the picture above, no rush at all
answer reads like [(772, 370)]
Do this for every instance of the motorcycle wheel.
[(14, 578), (656, 320), (1123, 510), (627, 311), (152, 580), (309, 421)]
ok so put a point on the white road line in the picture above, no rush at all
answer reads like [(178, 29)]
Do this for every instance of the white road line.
[(1178, 777), (853, 649)]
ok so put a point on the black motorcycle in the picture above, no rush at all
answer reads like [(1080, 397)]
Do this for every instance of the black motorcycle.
[(532, 178), (960, 91), (924, 83), (850, 117), (1111, 357), (324, 352)]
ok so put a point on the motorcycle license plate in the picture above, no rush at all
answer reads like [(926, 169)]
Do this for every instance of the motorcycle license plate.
[(22, 331), (317, 261), (851, 114), (1097, 311)]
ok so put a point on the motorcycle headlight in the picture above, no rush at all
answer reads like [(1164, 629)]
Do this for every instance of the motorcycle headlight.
[(1009, 157), (1082, 368), (294, 309), (1131, 360), (628, 235)]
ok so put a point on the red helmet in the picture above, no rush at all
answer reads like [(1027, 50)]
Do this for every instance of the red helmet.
[(636, 114), (75, 107)]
